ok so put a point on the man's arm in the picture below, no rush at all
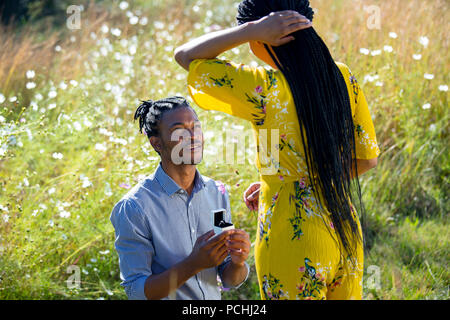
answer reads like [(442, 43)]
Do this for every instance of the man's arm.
[(208, 252)]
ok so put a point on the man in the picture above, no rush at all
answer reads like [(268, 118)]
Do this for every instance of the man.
[(163, 226)]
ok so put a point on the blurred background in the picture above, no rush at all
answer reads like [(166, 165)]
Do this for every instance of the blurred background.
[(72, 74)]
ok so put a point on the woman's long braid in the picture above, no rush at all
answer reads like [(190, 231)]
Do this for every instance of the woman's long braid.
[(324, 113)]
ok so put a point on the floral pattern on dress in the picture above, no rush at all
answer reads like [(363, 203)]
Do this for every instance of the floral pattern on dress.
[(264, 226), (302, 202), (311, 282), (273, 289), (259, 100)]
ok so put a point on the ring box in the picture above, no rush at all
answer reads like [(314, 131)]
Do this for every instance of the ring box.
[(218, 221)]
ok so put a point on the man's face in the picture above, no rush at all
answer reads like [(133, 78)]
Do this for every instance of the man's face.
[(180, 138)]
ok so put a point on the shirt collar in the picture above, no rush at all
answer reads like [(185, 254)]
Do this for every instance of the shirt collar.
[(170, 186)]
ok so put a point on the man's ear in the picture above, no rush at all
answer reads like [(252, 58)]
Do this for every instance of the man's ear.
[(156, 143)]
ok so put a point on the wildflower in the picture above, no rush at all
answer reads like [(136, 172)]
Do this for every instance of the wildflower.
[(393, 35), (73, 82), (220, 186), (428, 76), (58, 48), (417, 56), (104, 28), (375, 52), (432, 127), (443, 87), (2, 98), (57, 155), (134, 20), (388, 48), (424, 41), (143, 21), (116, 32), (52, 94), (30, 74), (64, 214), (13, 99), (364, 51), (123, 5), (426, 106)]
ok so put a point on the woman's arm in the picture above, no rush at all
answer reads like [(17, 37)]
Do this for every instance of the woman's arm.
[(364, 166), (272, 29)]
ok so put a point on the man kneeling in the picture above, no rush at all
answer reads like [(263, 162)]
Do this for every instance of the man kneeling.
[(167, 248)]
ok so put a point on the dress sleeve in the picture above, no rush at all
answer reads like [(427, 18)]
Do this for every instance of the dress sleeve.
[(365, 137), (236, 89), (134, 246)]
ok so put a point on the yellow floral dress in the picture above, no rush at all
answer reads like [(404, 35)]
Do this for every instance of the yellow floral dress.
[(297, 252)]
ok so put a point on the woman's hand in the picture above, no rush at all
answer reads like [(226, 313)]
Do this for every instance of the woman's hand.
[(274, 29), (251, 196)]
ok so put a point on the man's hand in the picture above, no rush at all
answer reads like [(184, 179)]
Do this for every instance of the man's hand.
[(209, 251), (238, 245), (251, 196), (274, 29)]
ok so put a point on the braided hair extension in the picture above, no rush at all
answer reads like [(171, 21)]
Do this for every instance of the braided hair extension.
[(150, 113), (324, 114)]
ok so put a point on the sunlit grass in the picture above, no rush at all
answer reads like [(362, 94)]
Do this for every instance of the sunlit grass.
[(69, 149)]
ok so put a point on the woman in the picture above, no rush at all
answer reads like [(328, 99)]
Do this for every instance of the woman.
[(309, 240)]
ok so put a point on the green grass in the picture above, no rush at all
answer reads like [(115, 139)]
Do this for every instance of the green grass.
[(406, 195)]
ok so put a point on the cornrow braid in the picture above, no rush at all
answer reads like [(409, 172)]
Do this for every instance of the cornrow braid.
[(150, 113), (324, 113)]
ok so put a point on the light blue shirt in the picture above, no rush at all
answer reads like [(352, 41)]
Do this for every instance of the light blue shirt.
[(156, 225)]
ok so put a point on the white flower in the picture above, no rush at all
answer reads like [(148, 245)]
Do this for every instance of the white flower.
[(432, 127), (73, 82), (63, 85), (77, 126), (364, 51), (393, 35), (123, 5), (100, 147), (2, 119), (134, 20), (443, 87), (388, 48), (132, 49), (86, 182), (57, 155), (64, 214), (104, 28), (426, 106), (13, 99), (5, 217), (30, 85), (428, 76), (417, 56), (51, 106), (58, 48), (375, 52), (38, 97), (379, 83), (424, 41), (2, 98), (158, 25), (52, 94), (116, 32), (30, 74), (51, 190), (143, 21)]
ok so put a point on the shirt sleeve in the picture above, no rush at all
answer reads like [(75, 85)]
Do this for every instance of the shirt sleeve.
[(227, 260), (134, 247), (235, 89), (365, 136)]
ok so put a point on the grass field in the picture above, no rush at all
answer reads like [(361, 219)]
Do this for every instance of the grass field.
[(69, 149)]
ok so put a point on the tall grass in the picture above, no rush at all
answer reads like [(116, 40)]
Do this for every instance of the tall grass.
[(69, 149)]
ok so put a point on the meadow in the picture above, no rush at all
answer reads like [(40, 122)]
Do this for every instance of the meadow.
[(69, 148)]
